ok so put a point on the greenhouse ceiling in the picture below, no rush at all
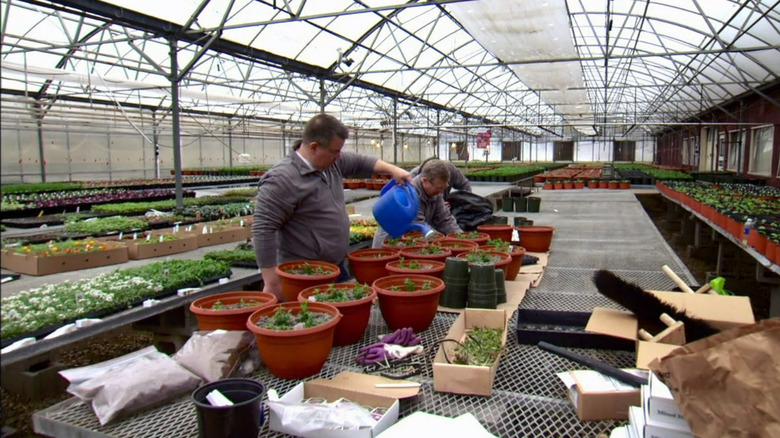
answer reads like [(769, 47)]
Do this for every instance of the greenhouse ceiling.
[(543, 67)]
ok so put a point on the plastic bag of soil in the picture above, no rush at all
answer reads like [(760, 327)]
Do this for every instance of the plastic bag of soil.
[(470, 210)]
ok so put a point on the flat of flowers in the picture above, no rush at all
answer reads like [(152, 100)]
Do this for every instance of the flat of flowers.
[(33, 264)]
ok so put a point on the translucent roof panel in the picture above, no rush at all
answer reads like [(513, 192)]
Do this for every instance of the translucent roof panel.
[(562, 65)]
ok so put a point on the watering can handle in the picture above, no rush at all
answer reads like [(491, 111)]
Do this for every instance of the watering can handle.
[(387, 187)]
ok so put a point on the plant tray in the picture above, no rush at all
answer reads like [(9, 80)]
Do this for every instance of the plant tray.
[(102, 313), (564, 329), (223, 235), (137, 250), (32, 264)]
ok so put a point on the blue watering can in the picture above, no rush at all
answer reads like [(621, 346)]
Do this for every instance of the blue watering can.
[(397, 208)]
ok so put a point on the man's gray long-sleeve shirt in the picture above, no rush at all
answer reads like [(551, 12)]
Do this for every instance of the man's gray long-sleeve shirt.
[(300, 211)]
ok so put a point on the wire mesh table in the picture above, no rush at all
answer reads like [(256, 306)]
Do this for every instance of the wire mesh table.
[(600, 229)]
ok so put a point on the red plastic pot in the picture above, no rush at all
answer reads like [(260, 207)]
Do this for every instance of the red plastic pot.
[(433, 268), (369, 264), (295, 354), (457, 246), (506, 259), (354, 314), (536, 238), (228, 319), (513, 268), (292, 284), (497, 231), (415, 309)]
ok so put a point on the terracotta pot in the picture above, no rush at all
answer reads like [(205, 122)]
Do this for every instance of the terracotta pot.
[(536, 238), (228, 319), (613, 185), (414, 252), (480, 239), (369, 264), (408, 309), (513, 268), (503, 232), (603, 184), (457, 246), (295, 354), (625, 185), (593, 184), (434, 268), (354, 314), (505, 259), (579, 184), (568, 185), (292, 284), (549, 186)]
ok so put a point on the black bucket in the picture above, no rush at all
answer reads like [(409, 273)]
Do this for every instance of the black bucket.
[(241, 420)]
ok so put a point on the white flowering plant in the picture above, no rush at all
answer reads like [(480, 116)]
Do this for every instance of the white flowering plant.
[(52, 304)]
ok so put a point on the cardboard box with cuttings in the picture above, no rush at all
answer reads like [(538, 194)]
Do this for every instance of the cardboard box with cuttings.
[(722, 312), (467, 379), (356, 387)]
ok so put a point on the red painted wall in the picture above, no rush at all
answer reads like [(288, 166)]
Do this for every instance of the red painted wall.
[(754, 109)]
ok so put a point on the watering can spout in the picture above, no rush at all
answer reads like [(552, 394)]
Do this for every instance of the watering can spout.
[(428, 232)]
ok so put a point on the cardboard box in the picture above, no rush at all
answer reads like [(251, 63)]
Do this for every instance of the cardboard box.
[(359, 388), (662, 408), (466, 379), (138, 249), (217, 234), (656, 429), (636, 422), (599, 397), (722, 312), (32, 264)]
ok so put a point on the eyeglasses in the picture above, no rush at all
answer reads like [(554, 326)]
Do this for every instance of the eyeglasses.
[(440, 187)]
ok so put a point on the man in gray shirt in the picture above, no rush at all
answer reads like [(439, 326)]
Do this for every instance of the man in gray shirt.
[(300, 212), (430, 185), (458, 180)]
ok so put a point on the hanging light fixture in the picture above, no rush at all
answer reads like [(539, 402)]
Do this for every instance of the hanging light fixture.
[(453, 145), (406, 146)]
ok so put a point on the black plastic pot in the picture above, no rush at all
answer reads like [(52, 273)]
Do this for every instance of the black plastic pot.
[(241, 420), (456, 281), (521, 204)]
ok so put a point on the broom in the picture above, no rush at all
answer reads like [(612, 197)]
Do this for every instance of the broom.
[(647, 307)]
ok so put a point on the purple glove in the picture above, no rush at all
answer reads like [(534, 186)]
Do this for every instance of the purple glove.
[(404, 336), (372, 354)]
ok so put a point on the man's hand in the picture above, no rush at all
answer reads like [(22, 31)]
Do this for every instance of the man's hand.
[(399, 175), (271, 283)]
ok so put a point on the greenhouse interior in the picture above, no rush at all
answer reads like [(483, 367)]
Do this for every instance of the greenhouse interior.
[(346, 218)]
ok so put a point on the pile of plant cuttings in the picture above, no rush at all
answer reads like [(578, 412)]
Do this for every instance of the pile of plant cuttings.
[(481, 347), (284, 319)]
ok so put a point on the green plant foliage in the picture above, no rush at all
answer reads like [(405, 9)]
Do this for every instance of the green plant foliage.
[(481, 347), (106, 224)]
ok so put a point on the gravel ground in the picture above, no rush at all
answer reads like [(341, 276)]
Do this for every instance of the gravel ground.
[(17, 413)]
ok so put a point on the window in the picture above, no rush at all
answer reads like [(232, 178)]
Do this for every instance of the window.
[(736, 146), (761, 150), (686, 151)]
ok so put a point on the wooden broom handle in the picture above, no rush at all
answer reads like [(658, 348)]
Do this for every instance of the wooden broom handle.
[(677, 280)]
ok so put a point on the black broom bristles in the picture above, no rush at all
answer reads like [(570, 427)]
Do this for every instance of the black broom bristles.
[(647, 307)]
